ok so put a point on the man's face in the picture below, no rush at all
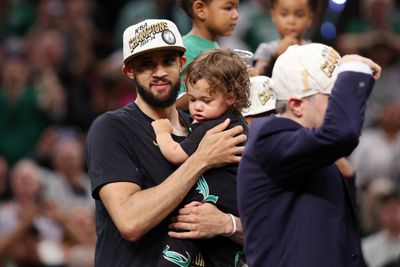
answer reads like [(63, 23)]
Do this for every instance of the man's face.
[(314, 110), (156, 76)]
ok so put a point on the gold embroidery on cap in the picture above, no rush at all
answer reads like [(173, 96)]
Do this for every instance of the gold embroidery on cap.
[(332, 59), (143, 32), (306, 83), (265, 95)]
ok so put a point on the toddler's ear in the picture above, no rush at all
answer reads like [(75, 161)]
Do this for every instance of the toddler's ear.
[(231, 101)]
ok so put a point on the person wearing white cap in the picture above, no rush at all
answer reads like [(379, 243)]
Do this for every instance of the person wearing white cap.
[(262, 98), (294, 203), (136, 189)]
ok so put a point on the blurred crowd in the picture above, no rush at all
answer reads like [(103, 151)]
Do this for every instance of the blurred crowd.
[(60, 67)]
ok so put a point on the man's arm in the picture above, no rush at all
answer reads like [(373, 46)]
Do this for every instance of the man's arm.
[(170, 149), (136, 211)]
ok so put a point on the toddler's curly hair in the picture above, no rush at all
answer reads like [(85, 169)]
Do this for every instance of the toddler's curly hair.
[(224, 70)]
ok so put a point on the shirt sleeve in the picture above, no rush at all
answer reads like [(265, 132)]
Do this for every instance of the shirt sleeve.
[(190, 144), (108, 156)]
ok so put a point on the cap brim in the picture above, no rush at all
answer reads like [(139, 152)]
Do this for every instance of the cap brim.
[(260, 110), (171, 47)]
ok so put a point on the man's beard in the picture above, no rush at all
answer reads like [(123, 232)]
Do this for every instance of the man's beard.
[(153, 101)]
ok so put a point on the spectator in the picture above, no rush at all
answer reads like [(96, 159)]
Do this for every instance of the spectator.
[(292, 19), (254, 26), (23, 223), (384, 246), (375, 34), (25, 109), (68, 184), (377, 151), (210, 19)]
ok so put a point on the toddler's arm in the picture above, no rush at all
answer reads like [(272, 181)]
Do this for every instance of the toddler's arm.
[(170, 149)]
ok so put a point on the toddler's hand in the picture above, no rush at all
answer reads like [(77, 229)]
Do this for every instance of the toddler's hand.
[(162, 126)]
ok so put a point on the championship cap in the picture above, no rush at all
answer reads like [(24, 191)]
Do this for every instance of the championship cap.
[(262, 98), (151, 35), (305, 70)]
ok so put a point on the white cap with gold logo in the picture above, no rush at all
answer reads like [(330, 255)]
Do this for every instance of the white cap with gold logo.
[(151, 35), (305, 70), (262, 98)]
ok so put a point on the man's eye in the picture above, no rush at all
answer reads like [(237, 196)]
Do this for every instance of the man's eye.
[(146, 64), (168, 61)]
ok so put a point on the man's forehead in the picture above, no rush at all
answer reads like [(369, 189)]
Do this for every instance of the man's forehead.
[(157, 55)]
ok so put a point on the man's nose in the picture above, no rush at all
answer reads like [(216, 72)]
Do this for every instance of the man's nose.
[(159, 71)]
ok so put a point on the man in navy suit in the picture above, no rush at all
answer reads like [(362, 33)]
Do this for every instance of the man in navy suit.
[(295, 206)]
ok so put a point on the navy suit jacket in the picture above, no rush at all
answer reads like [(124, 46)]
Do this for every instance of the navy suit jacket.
[(294, 204)]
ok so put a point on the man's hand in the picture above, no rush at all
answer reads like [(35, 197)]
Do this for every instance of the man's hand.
[(200, 220), (345, 168), (219, 147), (376, 69), (162, 126)]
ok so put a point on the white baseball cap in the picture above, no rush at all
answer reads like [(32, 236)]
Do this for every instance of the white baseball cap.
[(305, 70), (151, 35), (262, 98)]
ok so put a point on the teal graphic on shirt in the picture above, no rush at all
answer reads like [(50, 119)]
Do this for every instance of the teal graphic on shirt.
[(240, 259), (203, 189), (176, 257)]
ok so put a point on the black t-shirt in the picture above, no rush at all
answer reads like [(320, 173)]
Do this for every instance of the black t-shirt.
[(121, 147), (217, 186)]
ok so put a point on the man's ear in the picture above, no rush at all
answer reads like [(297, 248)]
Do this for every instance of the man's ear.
[(128, 71), (199, 9), (182, 61), (295, 105)]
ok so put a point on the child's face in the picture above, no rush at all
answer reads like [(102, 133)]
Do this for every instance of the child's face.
[(292, 17), (221, 17), (203, 105)]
